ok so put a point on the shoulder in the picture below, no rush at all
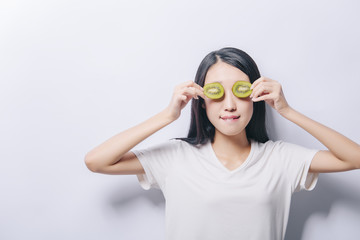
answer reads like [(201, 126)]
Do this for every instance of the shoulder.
[(268, 145), (185, 146), (278, 148), (283, 149), (193, 150), (164, 147), (171, 146), (278, 145), (176, 145)]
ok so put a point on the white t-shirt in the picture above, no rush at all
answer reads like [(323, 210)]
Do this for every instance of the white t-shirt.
[(206, 201)]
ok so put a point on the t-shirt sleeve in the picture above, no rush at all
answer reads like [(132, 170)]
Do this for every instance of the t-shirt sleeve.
[(156, 161), (296, 162)]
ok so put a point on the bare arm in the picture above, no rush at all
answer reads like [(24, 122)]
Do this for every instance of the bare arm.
[(114, 156), (343, 154), (107, 154)]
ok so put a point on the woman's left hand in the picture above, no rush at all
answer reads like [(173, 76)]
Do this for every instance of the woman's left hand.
[(271, 92)]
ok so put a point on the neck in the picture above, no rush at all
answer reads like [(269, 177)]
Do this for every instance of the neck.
[(230, 145)]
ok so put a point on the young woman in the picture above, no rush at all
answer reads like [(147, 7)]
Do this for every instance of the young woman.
[(226, 180)]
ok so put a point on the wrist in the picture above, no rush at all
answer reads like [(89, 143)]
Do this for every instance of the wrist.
[(286, 112), (167, 115)]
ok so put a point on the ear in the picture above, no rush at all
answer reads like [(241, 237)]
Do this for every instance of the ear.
[(203, 105)]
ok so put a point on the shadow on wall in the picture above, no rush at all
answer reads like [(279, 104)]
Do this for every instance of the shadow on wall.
[(319, 201), (121, 201)]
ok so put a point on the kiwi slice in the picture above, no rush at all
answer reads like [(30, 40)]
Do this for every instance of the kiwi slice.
[(242, 89), (213, 90)]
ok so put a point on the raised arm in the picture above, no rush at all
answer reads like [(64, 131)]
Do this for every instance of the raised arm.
[(343, 154), (114, 156)]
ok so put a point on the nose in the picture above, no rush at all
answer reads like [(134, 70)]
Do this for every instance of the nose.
[(229, 102)]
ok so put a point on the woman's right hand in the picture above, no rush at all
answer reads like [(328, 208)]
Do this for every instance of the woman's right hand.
[(114, 156), (183, 93)]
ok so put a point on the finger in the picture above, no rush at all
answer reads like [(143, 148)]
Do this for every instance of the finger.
[(200, 93), (185, 84), (192, 84), (198, 87), (260, 81), (183, 97), (262, 98), (195, 92), (191, 91), (264, 85), (188, 90), (257, 82), (264, 88)]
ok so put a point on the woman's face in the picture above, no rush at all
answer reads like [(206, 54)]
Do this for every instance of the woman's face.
[(229, 114)]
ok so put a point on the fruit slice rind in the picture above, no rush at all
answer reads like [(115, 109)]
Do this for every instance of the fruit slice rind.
[(242, 89), (214, 90)]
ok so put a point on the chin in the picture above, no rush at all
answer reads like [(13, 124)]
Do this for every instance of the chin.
[(230, 133)]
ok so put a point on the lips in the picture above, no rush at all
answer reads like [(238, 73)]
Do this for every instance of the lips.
[(229, 117)]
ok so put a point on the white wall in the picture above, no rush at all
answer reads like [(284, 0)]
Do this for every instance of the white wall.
[(74, 73)]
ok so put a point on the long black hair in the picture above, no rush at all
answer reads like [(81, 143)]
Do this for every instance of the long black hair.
[(201, 129)]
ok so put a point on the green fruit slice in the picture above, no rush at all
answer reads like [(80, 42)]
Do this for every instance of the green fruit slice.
[(242, 89), (213, 90)]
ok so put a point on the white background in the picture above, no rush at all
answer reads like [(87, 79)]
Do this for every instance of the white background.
[(74, 73)]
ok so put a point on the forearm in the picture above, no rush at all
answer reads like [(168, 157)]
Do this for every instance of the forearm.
[(341, 146), (113, 149)]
